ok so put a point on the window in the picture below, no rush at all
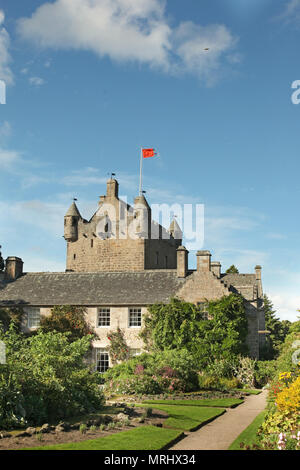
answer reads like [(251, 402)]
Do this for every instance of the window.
[(33, 317), (92, 243), (134, 352), (103, 317), (74, 256), (135, 317), (102, 360)]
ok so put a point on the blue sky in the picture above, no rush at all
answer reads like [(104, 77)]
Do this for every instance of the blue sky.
[(91, 81)]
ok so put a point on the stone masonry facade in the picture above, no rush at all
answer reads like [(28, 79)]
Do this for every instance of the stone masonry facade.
[(119, 263)]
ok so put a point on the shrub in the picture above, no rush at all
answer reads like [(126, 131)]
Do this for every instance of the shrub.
[(83, 428), (289, 398), (264, 372), (244, 371), (118, 349), (166, 371), (68, 319), (45, 378)]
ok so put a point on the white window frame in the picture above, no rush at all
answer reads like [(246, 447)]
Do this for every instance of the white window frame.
[(130, 312), (99, 351), (133, 352), (33, 317), (106, 311)]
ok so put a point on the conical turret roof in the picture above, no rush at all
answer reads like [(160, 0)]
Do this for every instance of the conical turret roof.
[(175, 230), (73, 210)]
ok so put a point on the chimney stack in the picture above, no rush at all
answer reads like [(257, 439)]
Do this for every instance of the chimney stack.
[(203, 261), (182, 261), (216, 268), (13, 268)]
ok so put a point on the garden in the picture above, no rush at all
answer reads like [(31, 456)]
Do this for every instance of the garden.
[(195, 367)]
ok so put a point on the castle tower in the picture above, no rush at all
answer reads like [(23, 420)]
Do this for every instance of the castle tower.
[(119, 237), (71, 223)]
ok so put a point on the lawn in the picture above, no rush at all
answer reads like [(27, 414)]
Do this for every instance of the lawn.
[(187, 418), (141, 438), (220, 402), (248, 436)]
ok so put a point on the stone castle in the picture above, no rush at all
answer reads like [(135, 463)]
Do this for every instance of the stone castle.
[(120, 262)]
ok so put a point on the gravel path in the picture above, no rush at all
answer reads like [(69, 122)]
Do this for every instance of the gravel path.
[(220, 433)]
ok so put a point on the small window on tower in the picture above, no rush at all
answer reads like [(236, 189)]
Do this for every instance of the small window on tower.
[(74, 256), (92, 243)]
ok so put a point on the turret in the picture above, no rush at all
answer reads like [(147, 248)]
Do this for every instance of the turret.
[(71, 223), (142, 214), (175, 230)]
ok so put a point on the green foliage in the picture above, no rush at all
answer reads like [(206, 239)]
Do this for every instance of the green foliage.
[(170, 326), (232, 270), (278, 331), (153, 373), (264, 372), (9, 315), (182, 325), (67, 319), (207, 381), (118, 349), (83, 428), (224, 335), (45, 378)]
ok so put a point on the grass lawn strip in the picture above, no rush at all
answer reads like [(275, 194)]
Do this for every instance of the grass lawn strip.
[(187, 418), (249, 436), (219, 402), (249, 391), (141, 438)]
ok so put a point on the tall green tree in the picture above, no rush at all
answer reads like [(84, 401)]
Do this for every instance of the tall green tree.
[(278, 331), (67, 319), (232, 270)]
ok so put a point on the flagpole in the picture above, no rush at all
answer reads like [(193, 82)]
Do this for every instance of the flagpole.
[(141, 176)]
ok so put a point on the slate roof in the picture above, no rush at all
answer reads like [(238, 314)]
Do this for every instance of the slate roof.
[(123, 288), (239, 280)]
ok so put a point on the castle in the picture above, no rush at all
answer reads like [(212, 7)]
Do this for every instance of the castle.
[(118, 264)]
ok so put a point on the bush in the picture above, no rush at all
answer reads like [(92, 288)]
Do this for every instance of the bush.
[(212, 382), (244, 371), (45, 378), (264, 372), (166, 371)]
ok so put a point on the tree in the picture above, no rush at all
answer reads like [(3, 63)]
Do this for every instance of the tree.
[(2, 264), (232, 270), (182, 325), (278, 331), (67, 319)]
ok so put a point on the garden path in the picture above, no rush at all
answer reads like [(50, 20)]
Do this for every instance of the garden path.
[(220, 433)]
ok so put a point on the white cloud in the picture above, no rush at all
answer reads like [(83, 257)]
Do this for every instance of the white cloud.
[(131, 30), (286, 305), (200, 49), (5, 130), (291, 12), (5, 59), (8, 159), (36, 81)]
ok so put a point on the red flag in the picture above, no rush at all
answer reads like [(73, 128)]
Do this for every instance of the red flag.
[(147, 153)]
